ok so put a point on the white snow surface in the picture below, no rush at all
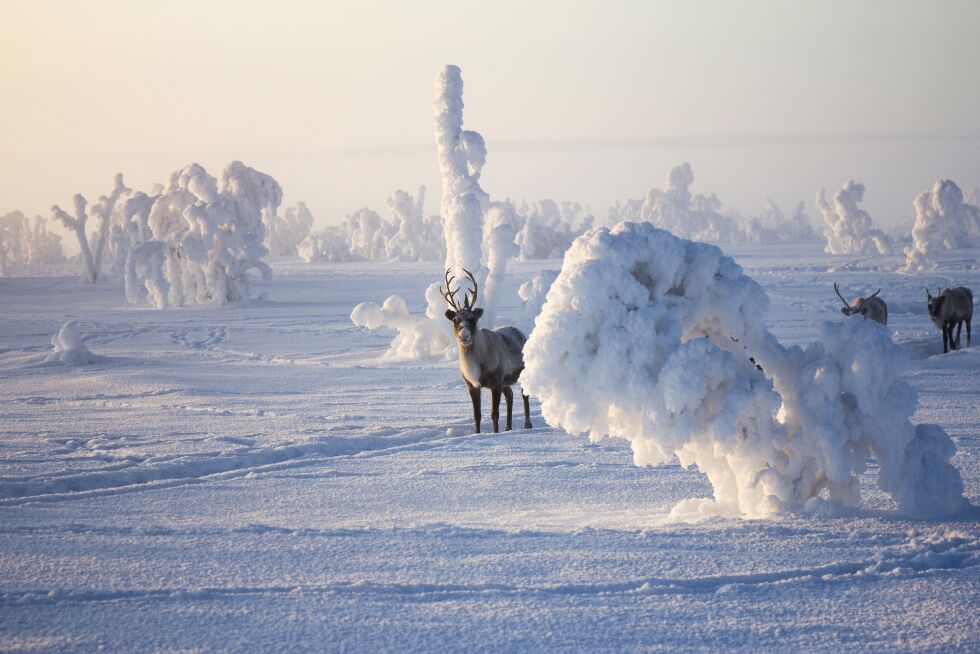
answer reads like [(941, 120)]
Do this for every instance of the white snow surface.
[(257, 477)]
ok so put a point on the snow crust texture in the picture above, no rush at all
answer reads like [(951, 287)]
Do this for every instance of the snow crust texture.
[(944, 221), (648, 337), (848, 228)]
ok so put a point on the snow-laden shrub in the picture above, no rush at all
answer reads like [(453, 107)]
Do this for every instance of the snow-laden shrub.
[(848, 228), (24, 244), (329, 244), (943, 221), (92, 246), (68, 347), (416, 237), (774, 227), (283, 234), (418, 336), (647, 337), (205, 238)]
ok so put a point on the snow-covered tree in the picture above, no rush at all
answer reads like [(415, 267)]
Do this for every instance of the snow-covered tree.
[(773, 226), (943, 221), (205, 238), (92, 253), (655, 339), (849, 229), (24, 244), (283, 234)]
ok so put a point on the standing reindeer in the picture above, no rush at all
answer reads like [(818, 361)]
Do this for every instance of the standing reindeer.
[(873, 308), (487, 358), (951, 307)]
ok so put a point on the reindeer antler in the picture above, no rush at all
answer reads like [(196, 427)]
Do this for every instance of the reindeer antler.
[(449, 293), (470, 300), (874, 294), (837, 290)]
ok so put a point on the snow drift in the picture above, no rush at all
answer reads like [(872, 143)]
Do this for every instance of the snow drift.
[(648, 337), (944, 221), (848, 228)]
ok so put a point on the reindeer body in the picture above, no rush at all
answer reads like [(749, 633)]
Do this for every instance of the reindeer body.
[(488, 358), (872, 308), (950, 308)]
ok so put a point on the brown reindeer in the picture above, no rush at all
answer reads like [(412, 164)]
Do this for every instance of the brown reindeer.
[(951, 307), (488, 358), (872, 308)]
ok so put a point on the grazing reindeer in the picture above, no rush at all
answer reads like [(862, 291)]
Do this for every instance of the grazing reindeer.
[(487, 358), (951, 307), (873, 308)]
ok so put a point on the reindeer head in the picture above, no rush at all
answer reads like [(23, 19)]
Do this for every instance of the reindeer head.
[(464, 318), (935, 303), (859, 305)]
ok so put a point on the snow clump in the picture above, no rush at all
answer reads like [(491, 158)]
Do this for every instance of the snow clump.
[(68, 347), (944, 220), (648, 337), (849, 229)]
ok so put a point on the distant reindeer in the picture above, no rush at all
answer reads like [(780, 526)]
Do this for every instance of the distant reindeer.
[(490, 359), (951, 307), (872, 308)]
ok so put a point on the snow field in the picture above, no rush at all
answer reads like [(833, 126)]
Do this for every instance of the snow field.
[(257, 475)]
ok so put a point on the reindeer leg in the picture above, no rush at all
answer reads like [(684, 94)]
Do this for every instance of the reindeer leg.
[(968, 331), (509, 396), (475, 396), (959, 331), (945, 336), (495, 407), (527, 411)]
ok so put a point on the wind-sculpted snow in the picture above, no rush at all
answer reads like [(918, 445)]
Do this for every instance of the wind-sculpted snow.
[(848, 228), (648, 337), (943, 221), (205, 240)]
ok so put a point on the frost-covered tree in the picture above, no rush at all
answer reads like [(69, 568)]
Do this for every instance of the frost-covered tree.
[(774, 227), (92, 253), (944, 220), (206, 238), (655, 339), (849, 228), (24, 244), (462, 155), (283, 234)]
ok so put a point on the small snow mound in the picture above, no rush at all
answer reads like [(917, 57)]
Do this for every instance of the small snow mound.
[(68, 347)]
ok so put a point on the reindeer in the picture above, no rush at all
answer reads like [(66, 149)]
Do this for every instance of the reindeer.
[(873, 308), (951, 307), (487, 358)]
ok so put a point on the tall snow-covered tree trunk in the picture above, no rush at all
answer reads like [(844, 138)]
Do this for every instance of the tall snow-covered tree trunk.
[(77, 225)]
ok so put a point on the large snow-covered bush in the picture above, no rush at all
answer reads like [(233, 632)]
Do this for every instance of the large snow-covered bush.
[(25, 245), (648, 337), (206, 238), (848, 228), (944, 220)]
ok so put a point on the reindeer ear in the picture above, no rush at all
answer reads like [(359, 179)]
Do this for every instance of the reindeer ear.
[(450, 314), (478, 313)]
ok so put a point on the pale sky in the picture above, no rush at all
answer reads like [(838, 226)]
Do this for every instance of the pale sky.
[(587, 101)]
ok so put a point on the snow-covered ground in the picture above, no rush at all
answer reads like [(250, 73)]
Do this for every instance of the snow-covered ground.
[(255, 477)]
